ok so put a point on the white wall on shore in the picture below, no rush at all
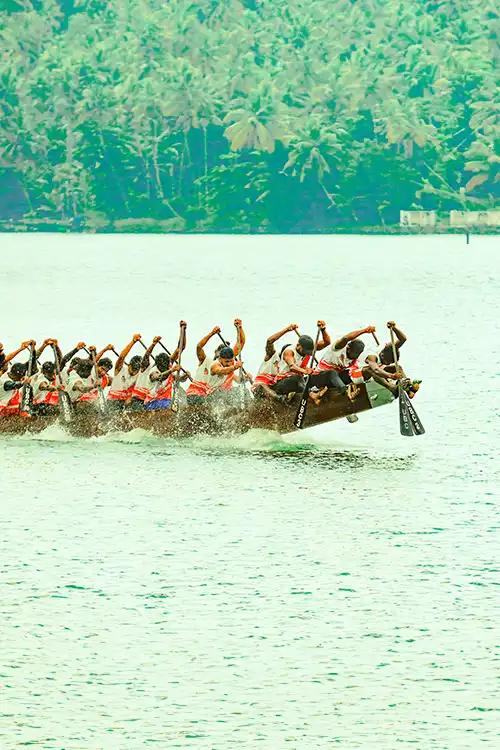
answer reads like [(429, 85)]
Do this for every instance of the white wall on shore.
[(489, 218), (475, 218)]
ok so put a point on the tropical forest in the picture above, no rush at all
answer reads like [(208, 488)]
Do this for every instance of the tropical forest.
[(246, 115)]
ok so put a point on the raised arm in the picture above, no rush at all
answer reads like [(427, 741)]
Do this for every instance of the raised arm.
[(107, 348), (67, 357), (340, 343), (148, 352), (123, 354), (43, 346), (240, 337), (21, 348), (200, 346), (177, 351), (400, 336), (57, 350), (325, 336), (272, 339)]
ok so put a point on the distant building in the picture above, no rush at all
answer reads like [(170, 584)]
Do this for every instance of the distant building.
[(417, 218), (475, 218)]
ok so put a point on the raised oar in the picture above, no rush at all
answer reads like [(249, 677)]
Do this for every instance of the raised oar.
[(65, 404), (170, 355), (175, 390), (27, 392), (101, 398), (115, 352), (304, 399), (405, 424), (166, 352)]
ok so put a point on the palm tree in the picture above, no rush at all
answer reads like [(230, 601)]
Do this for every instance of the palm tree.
[(257, 121)]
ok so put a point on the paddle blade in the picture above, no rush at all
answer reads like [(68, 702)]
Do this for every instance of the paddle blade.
[(65, 406), (101, 400), (302, 410), (175, 399), (27, 398), (418, 427), (405, 424)]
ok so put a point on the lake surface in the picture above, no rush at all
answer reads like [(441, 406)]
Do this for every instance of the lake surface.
[(330, 589)]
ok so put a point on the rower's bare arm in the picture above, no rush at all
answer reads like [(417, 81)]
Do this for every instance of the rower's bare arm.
[(200, 353), (46, 386), (148, 352), (218, 369), (401, 338), (105, 349), (57, 351), (67, 357), (123, 354), (325, 336), (270, 350), (43, 346), (240, 337), (21, 348), (290, 360), (340, 343), (178, 351), (374, 368)]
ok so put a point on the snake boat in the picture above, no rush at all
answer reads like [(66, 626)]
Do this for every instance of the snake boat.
[(211, 419)]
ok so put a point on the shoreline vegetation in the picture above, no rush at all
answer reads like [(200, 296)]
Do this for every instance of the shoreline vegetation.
[(152, 226), (245, 116)]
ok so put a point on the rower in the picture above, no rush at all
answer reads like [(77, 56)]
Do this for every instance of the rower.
[(69, 362), (221, 377), (268, 371), (45, 391), (386, 355), (125, 375), (142, 386), (381, 366), (202, 384), (81, 385), (161, 377), (339, 367), (289, 367), (11, 383)]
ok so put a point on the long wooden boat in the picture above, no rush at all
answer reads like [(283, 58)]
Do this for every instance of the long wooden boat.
[(218, 419)]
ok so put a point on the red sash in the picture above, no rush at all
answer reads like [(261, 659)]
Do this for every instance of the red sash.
[(13, 405)]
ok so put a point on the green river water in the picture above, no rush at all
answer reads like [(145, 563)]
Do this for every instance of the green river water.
[(334, 588)]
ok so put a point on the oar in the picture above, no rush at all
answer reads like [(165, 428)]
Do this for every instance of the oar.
[(65, 404), (304, 399), (170, 355), (115, 352), (418, 427), (242, 378), (27, 392), (101, 398), (405, 424), (175, 390)]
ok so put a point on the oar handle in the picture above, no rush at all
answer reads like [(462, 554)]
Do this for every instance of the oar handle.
[(57, 364), (170, 355), (376, 339)]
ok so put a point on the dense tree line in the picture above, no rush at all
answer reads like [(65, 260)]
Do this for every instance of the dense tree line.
[(248, 115)]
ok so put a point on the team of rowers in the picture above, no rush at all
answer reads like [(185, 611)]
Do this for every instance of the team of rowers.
[(147, 381)]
